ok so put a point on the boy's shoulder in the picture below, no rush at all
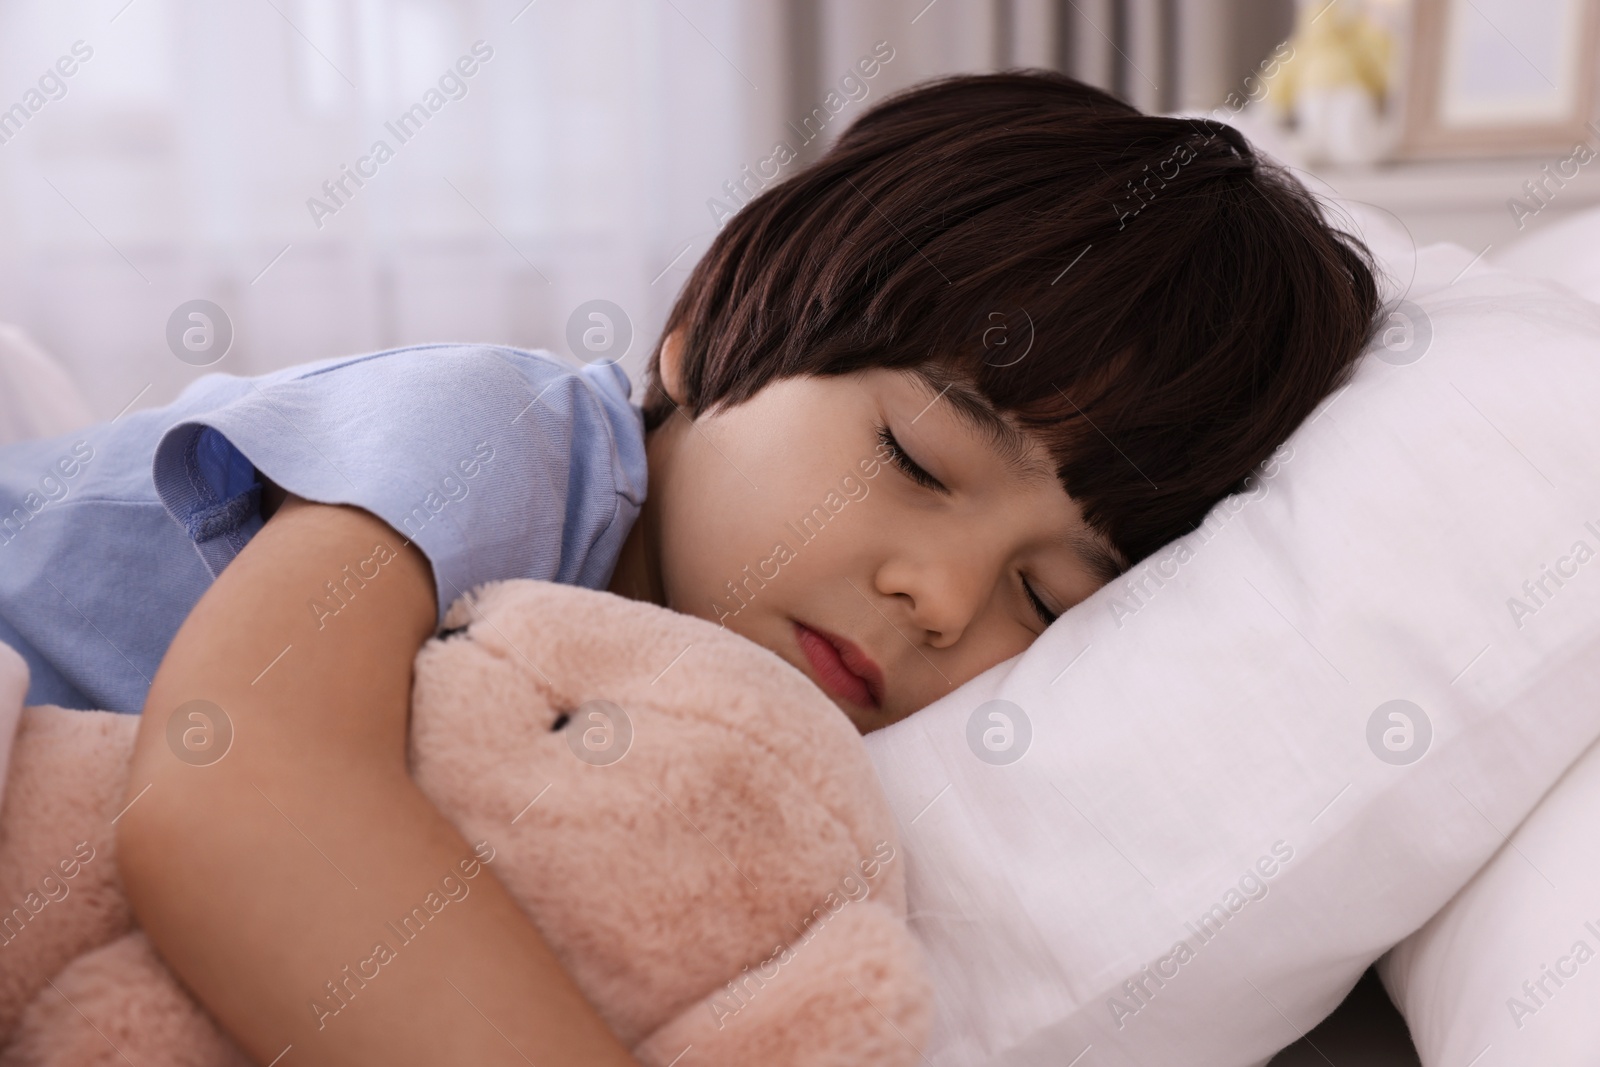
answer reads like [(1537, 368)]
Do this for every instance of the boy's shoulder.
[(490, 458), (429, 385), (460, 364)]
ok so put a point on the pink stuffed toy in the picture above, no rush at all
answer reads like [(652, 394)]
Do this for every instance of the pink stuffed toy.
[(692, 825)]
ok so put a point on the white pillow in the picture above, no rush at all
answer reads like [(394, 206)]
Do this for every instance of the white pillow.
[(1502, 975), (1195, 767), (1567, 253), (1509, 972)]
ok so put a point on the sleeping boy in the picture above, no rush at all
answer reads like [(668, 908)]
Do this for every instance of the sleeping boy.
[(955, 308)]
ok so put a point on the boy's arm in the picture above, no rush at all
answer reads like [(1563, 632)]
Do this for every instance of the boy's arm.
[(277, 869)]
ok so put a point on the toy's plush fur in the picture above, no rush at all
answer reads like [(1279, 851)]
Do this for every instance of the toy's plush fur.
[(730, 885)]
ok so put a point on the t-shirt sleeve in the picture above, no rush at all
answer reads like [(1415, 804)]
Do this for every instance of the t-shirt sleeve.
[(496, 463)]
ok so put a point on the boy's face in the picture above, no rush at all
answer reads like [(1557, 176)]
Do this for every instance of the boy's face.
[(786, 519)]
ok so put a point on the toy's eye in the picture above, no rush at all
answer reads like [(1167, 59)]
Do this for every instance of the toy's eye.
[(447, 634), (561, 720)]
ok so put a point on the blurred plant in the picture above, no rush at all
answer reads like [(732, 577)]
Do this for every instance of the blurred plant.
[(1335, 82)]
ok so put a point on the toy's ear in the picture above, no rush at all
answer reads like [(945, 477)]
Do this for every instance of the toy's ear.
[(849, 990)]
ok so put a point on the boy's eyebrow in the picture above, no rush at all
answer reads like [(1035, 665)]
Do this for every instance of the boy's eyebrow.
[(973, 408), (1102, 562)]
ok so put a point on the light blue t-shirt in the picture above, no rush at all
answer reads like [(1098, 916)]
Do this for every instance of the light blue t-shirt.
[(497, 463)]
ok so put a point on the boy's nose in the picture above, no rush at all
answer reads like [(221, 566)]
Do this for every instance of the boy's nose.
[(943, 596)]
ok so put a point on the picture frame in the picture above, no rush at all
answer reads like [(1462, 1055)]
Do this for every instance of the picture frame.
[(1500, 77)]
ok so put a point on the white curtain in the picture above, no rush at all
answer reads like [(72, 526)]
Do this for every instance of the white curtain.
[(177, 162), (185, 156)]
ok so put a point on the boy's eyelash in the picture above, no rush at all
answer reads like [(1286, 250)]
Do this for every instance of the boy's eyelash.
[(899, 458), (1045, 614)]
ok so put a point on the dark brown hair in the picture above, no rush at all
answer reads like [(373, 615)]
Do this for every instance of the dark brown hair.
[(1186, 304)]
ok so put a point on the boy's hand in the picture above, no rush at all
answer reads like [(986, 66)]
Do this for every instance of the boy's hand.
[(261, 876)]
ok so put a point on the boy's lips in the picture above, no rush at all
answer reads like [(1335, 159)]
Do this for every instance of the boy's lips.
[(844, 670)]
